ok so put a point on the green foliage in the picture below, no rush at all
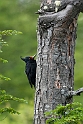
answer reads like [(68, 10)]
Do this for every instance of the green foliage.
[(9, 32), (3, 60), (18, 15), (10, 110), (6, 33), (4, 78), (69, 114), (4, 97), (3, 43)]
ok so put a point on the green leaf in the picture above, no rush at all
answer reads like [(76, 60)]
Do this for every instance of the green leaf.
[(3, 60), (9, 110), (4, 78), (69, 114), (4, 97), (10, 32)]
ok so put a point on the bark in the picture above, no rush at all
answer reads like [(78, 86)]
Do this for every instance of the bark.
[(56, 36)]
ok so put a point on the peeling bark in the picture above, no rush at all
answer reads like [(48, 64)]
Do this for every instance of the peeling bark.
[(56, 36)]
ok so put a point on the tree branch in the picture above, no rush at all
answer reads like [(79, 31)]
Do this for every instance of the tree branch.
[(67, 94), (77, 92)]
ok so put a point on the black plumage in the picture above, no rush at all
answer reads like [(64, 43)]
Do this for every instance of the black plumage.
[(30, 69)]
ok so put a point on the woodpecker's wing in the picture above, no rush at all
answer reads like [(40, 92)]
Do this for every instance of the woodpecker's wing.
[(32, 73), (28, 72), (28, 68), (33, 68)]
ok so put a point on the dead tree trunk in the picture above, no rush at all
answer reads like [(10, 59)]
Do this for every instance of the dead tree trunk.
[(56, 35)]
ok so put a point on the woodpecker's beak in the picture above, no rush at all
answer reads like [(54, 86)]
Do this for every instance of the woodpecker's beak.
[(34, 56), (22, 58)]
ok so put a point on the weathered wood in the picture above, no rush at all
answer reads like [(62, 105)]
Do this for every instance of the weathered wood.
[(56, 36)]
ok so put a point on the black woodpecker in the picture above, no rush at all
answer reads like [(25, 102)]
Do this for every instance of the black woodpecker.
[(30, 69)]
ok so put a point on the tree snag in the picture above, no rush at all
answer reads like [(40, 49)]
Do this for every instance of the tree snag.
[(56, 35)]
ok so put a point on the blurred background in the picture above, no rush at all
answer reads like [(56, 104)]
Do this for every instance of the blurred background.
[(20, 15)]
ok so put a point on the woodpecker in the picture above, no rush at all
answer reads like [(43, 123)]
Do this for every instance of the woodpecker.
[(30, 69)]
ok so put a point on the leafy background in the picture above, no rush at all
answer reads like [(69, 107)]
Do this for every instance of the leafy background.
[(20, 15)]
